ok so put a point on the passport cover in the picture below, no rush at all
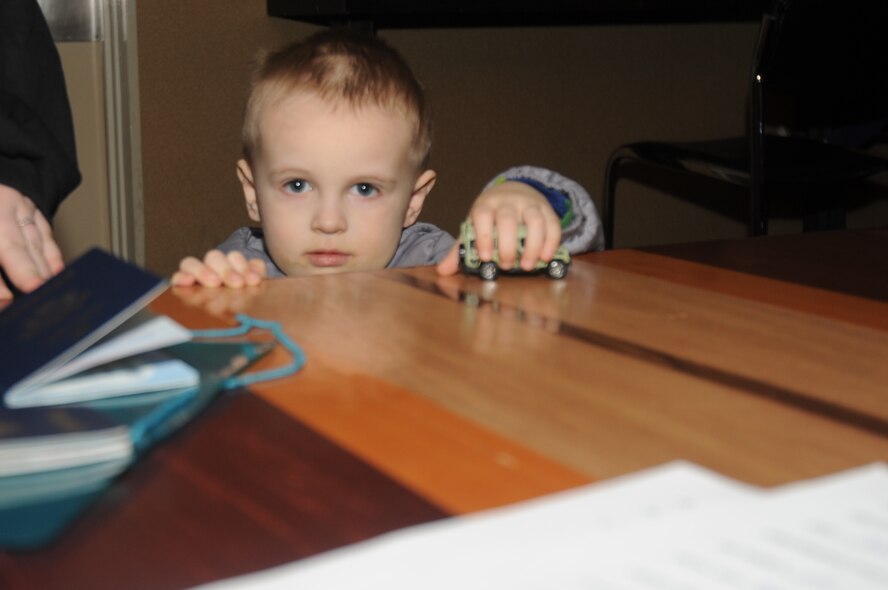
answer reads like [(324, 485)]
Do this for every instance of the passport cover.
[(71, 311)]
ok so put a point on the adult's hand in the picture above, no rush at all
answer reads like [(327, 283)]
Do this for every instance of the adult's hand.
[(28, 252)]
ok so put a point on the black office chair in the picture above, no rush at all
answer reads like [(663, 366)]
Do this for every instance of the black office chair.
[(818, 97)]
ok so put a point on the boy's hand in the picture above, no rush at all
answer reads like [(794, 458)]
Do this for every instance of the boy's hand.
[(505, 207), (217, 269)]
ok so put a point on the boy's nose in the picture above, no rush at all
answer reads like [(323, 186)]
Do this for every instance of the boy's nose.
[(328, 218)]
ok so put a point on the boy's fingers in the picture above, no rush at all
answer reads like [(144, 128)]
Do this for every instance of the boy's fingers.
[(238, 273), (220, 264), (543, 235), (258, 267), (182, 279), (200, 271), (255, 272), (217, 260), (238, 262), (450, 264), (250, 272), (483, 219), (553, 238), (533, 242), (232, 278), (217, 269), (507, 236)]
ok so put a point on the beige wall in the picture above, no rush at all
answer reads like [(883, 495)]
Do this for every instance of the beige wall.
[(194, 59), (562, 98), (83, 219)]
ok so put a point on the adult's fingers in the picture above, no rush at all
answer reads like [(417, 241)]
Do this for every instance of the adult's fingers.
[(52, 254)]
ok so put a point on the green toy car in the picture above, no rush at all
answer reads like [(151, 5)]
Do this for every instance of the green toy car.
[(470, 263)]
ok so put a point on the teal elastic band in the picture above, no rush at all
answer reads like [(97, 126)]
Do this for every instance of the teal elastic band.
[(246, 325), (175, 412), (166, 418)]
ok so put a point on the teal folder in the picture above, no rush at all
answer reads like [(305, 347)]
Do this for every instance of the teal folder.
[(38, 503)]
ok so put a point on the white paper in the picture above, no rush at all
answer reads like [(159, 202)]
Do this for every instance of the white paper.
[(143, 332), (675, 526), (62, 451), (143, 373)]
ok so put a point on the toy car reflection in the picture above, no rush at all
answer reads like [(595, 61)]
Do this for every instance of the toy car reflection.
[(470, 263)]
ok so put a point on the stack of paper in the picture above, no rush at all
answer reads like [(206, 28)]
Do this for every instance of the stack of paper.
[(44, 439), (674, 526)]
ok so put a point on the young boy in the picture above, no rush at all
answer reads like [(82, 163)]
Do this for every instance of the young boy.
[(336, 140)]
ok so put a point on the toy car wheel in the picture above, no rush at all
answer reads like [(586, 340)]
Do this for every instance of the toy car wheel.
[(556, 269), (488, 271)]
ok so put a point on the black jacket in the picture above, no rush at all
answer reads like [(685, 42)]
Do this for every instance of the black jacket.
[(37, 151)]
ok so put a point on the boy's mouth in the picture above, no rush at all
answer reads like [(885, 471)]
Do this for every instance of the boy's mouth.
[(327, 258)]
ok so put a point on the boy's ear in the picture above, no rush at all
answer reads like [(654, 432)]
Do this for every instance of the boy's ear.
[(245, 175), (421, 190)]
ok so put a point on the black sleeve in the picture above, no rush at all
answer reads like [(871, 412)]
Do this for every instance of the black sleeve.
[(37, 151)]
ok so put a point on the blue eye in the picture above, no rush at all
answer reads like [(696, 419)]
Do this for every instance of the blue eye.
[(364, 189), (297, 185)]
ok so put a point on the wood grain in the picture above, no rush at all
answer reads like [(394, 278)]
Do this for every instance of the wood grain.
[(852, 262), (443, 457), (860, 310), (808, 355), (497, 355)]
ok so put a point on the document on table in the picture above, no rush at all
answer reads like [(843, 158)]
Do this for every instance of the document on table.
[(673, 526)]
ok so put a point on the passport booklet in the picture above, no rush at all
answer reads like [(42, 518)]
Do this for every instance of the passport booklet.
[(60, 343)]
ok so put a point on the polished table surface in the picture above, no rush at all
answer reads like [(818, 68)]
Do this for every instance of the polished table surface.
[(426, 397)]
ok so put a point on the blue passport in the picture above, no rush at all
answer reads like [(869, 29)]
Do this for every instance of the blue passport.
[(69, 313)]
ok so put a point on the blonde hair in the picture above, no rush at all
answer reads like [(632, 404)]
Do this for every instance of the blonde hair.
[(340, 65)]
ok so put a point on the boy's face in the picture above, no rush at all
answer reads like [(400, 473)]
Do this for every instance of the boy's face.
[(331, 185)]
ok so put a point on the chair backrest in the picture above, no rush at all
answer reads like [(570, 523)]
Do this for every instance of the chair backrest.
[(821, 69)]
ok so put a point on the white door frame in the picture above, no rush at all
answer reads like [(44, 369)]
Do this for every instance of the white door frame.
[(113, 24)]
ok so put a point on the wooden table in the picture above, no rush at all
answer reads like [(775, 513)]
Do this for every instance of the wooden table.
[(423, 397)]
